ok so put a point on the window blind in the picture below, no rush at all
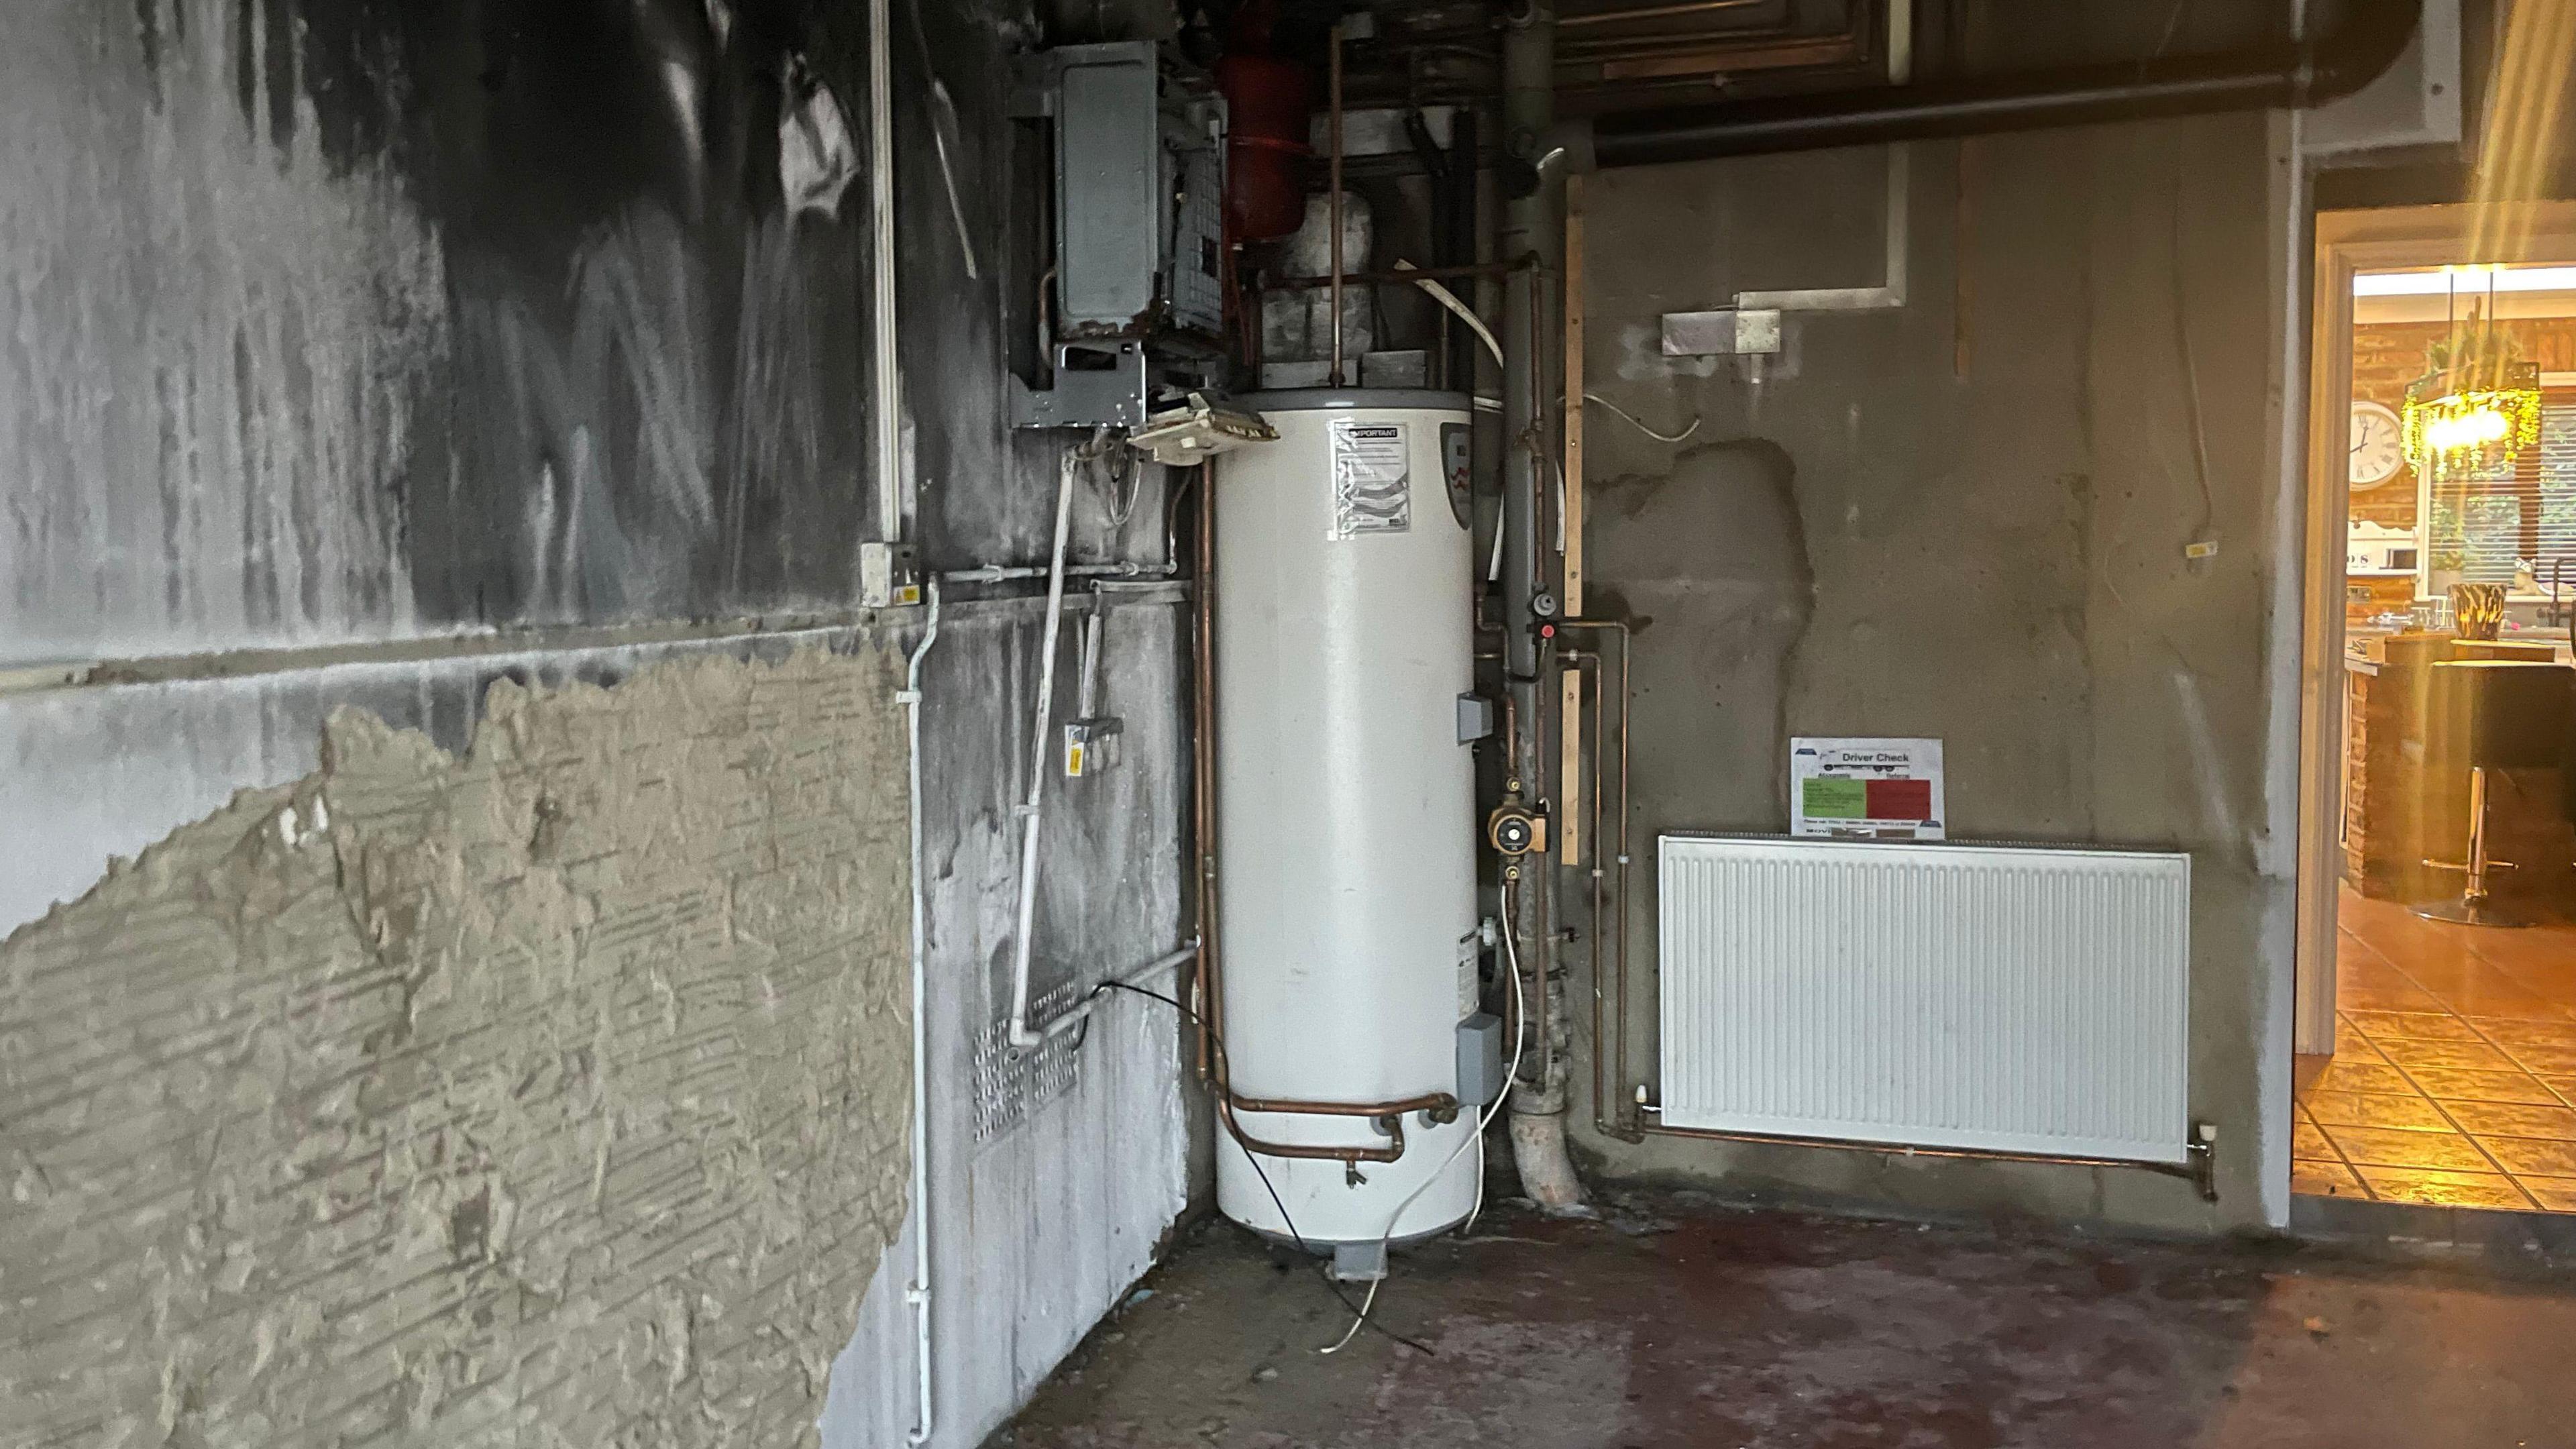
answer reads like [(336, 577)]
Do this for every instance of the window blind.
[(2485, 522)]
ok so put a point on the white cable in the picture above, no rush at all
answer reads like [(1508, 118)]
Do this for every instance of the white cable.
[(1520, 1016), (1120, 503), (1358, 1319), (1466, 314), (1632, 420), (1449, 299)]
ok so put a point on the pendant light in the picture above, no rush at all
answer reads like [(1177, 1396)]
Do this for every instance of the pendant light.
[(2478, 402)]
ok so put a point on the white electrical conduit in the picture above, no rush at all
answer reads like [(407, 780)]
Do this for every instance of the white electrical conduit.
[(1039, 757), (885, 361), (917, 1293), (998, 573)]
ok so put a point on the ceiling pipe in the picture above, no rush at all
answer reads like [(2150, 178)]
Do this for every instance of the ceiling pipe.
[(2264, 77), (1650, 12)]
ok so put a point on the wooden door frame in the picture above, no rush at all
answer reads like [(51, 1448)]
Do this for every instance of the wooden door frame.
[(2350, 242)]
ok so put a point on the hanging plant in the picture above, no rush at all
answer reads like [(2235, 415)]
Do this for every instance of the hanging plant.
[(2477, 404)]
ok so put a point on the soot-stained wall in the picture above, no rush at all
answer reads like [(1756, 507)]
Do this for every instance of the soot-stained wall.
[(363, 358), (335, 321), (1966, 519)]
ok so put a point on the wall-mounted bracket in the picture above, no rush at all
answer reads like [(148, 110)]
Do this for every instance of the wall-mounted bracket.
[(1725, 332), (1097, 385), (1751, 327)]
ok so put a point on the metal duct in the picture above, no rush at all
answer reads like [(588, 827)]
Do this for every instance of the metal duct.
[(2372, 35)]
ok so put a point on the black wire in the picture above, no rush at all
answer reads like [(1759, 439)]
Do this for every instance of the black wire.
[(1249, 1155)]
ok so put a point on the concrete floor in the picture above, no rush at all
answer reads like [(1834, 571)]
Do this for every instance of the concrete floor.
[(1681, 1323)]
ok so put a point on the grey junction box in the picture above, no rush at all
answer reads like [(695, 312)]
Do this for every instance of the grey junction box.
[(1480, 1060)]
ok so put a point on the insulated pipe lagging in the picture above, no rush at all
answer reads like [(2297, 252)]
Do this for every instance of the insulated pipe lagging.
[(1021, 1036)]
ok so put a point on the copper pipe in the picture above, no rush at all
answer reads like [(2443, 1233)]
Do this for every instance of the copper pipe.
[(1627, 702), (1203, 764), (1432, 1102), (1326, 1152), (1618, 1039), (1600, 1098), (1514, 999)]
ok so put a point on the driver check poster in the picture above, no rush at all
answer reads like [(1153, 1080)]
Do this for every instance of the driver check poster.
[(1860, 789)]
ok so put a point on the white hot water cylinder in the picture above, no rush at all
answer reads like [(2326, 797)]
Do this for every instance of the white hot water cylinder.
[(1346, 805)]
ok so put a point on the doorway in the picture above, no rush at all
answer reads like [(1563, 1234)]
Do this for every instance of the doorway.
[(2436, 1010)]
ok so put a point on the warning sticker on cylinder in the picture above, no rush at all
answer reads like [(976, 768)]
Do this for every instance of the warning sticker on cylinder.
[(1371, 490)]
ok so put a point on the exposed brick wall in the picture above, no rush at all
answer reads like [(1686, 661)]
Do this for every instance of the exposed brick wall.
[(552, 1095)]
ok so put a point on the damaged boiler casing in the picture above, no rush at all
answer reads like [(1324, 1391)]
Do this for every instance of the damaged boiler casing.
[(1346, 815), (1138, 305)]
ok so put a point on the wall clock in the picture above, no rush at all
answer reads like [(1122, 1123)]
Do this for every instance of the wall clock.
[(2377, 442)]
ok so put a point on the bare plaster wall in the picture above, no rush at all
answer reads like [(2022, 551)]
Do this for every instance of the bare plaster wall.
[(550, 1094), (1964, 519)]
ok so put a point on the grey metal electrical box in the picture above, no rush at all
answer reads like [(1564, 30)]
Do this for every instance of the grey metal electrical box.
[(1108, 182), (1475, 718), (1480, 1060), (1139, 228)]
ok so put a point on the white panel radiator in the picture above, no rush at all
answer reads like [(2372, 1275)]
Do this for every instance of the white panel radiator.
[(2001, 999)]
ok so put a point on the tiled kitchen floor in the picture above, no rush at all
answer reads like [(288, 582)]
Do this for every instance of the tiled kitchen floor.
[(2453, 1080)]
